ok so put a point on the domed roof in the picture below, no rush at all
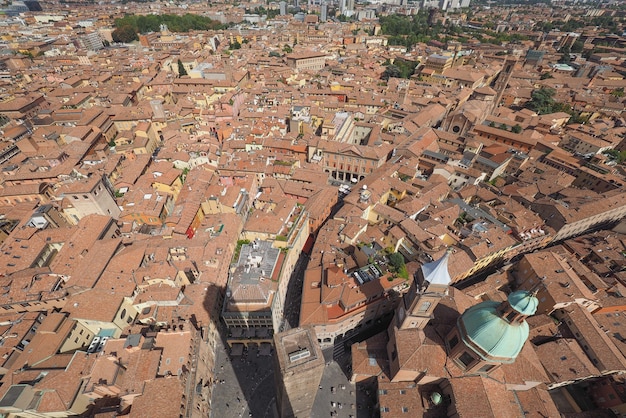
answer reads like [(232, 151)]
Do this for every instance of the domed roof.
[(523, 302), (486, 329)]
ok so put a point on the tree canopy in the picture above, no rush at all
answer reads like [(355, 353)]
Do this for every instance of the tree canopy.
[(270, 13), (399, 69), (617, 156), (618, 92), (409, 30), (606, 22), (397, 265), (542, 101), (125, 34), (181, 69), (175, 23), (577, 46)]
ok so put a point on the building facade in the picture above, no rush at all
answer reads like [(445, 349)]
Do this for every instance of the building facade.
[(94, 196), (311, 61)]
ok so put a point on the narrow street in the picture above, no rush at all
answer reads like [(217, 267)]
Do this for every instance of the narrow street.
[(294, 293)]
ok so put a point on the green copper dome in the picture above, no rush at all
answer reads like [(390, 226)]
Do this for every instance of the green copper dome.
[(523, 302), (491, 336)]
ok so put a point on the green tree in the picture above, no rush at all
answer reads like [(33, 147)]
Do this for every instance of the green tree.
[(396, 260), (578, 117), (516, 128), (577, 46), (399, 69), (175, 23), (181, 69), (287, 49), (147, 23), (565, 56), (588, 53), (561, 107), (618, 156), (409, 30), (397, 265), (124, 34), (541, 100), (546, 26), (618, 92), (392, 71)]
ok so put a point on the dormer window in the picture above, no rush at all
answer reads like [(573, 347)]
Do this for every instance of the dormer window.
[(466, 359), (511, 316)]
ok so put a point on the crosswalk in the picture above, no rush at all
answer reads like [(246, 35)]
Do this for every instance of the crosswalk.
[(339, 350), (341, 355)]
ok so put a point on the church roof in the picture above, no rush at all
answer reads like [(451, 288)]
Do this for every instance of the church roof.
[(523, 302), (436, 272), (492, 334)]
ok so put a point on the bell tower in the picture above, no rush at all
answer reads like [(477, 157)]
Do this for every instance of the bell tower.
[(428, 288), (503, 81)]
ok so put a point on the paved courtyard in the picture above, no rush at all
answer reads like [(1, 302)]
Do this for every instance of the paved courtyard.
[(245, 385), (336, 396), (245, 388)]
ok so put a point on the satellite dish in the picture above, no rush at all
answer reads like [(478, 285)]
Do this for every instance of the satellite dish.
[(436, 398)]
